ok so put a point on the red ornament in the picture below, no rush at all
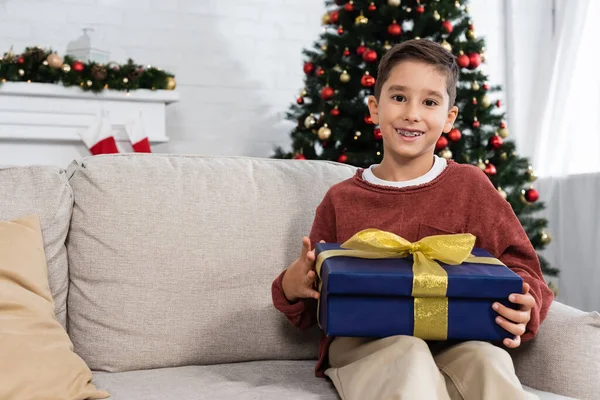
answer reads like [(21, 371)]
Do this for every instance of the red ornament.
[(498, 104), (447, 25), (441, 144), (360, 50), (420, 9), (372, 7), (334, 112), (370, 56), (77, 66), (474, 60), (490, 169), (377, 134), (300, 100), (327, 93), (346, 52), (463, 60), (343, 158), (320, 71), (21, 60), (495, 142), (394, 29), (334, 17), (454, 135), (486, 86), (299, 156), (349, 7), (532, 195), (502, 125), (308, 67), (367, 80), (340, 30), (474, 101), (476, 124), (368, 119)]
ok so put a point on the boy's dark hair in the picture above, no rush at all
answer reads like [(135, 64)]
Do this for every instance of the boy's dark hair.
[(422, 50)]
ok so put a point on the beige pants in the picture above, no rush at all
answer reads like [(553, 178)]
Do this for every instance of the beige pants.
[(405, 367)]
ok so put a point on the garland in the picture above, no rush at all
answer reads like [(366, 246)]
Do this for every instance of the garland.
[(46, 66)]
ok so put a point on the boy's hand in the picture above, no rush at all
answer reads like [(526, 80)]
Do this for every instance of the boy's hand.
[(300, 277), (515, 321)]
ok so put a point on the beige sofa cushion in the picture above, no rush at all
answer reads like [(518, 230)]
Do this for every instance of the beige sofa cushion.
[(42, 191), (172, 257), (36, 355)]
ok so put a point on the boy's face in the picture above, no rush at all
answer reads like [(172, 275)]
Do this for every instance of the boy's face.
[(413, 110)]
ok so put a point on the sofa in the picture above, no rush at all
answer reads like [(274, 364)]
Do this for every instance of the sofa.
[(160, 268)]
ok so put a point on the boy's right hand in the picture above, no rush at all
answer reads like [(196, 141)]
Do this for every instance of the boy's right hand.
[(300, 277)]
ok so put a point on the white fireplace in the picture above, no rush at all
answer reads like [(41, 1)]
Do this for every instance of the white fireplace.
[(41, 123)]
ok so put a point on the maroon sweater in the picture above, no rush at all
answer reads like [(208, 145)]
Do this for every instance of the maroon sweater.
[(460, 200)]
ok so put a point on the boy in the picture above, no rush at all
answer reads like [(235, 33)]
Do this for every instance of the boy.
[(414, 193)]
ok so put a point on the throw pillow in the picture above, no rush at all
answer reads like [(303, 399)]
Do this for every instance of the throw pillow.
[(36, 354)]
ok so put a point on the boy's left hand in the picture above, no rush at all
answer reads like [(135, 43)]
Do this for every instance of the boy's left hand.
[(515, 321)]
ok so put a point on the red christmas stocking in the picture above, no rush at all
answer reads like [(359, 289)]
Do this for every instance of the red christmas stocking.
[(137, 134), (99, 138)]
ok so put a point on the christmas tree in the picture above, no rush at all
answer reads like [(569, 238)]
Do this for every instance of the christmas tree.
[(332, 116)]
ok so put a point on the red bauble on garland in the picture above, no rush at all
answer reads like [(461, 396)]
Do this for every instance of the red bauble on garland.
[(334, 17), (476, 124), (308, 67), (394, 29), (447, 26), (346, 52), (532, 195), (367, 80), (340, 30), (300, 100), (377, 134), (463, 61), (368, 120), (334, 112), (327, 93), (360, 50), (299, 156), (495, 142), (420, 9), (370, 56), (474, 60), (349, 7), (490, 169), (77, 66), (21, 60), (343, 158), (320, 71), (372, 7), (498, 104), (454, 135), (441, 144)]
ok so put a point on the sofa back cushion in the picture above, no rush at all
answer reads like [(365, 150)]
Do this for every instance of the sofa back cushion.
[(45, 192), (172, 257)]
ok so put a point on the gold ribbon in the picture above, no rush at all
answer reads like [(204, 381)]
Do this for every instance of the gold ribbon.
[(430, 280)]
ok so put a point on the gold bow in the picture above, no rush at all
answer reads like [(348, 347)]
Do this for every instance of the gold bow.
[(430, 280)]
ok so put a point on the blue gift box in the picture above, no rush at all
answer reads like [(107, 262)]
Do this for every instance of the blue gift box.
[(372, 297)]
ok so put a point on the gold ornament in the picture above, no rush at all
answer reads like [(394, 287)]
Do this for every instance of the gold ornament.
[(545, 238), (171, 83), (66, 68), (446, 45), (21, 72), (394, 3), (378, 153), (503, 132), (345, 77), (531, 174), (504, 156), (475, 86), (303, 93), (358, 133), (324, 132), (325, 19), (45, 63), (361, 19), (324, 47), (90, 83), (436, 15), (457, 4), (310, 121), (481, 164), (446, 153), (485, 101), (471, 34), (387, 46), (502, 193), (125, 80), (54, 60)]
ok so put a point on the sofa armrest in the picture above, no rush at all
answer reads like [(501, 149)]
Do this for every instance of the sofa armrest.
[(564, 357)]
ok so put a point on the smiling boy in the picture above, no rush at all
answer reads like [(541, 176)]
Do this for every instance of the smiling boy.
[(414, 193)]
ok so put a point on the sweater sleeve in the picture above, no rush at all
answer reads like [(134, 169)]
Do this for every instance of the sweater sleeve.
[(303, 313), (509, 242)]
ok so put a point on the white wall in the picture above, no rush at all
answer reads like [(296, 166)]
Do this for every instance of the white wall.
[(238, 62)]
